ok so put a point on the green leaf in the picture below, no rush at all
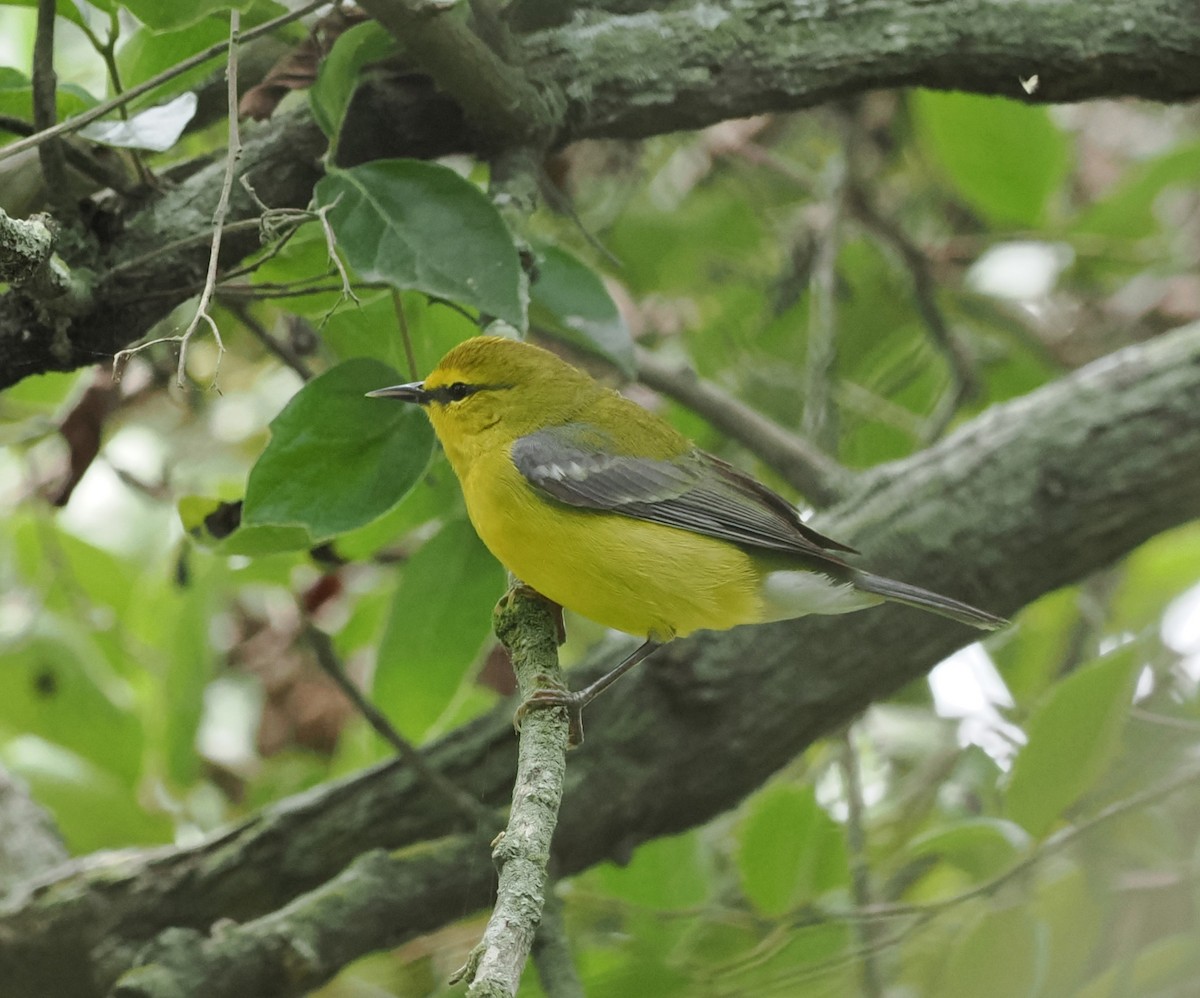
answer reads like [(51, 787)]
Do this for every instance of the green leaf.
[(1005, 158), (336, 459), (338, 76), (440, 618), (146, 53), (191, 659), (1029, 657), (663, 873), (1070, 902), (789, 850), (981, 847), (91, 807), (16, 96), (177, 14), (1073, 735), (1164, 967), (422, 227), (569, 299), (1000, 954), (57, 684), (63, 8), (180, 30), (1128, 210)]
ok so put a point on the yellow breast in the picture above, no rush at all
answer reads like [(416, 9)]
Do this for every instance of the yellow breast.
[(642, 578)]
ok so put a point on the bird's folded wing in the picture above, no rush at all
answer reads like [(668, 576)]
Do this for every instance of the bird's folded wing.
[(579, 465)]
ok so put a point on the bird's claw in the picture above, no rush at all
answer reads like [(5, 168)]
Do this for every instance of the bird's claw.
[(547, 697)]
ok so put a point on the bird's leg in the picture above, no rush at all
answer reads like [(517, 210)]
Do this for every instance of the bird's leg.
[(575, 702)]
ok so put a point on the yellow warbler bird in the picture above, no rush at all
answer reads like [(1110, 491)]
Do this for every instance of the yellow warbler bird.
[(604, 508)]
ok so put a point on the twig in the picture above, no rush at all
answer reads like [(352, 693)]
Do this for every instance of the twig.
[(964, 383), (856, 848), (45, 107), (466, 805), (526, 624), (322, 215), (497, 98), (806, 468), (552, 953), (292, 951), (276, 346), (819, 419), (1054, 843), (232, 155), (108, 52), (79, 157), (405, 334), (100, 110)]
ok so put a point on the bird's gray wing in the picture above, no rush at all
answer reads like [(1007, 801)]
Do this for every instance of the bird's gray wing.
[(582, 466)]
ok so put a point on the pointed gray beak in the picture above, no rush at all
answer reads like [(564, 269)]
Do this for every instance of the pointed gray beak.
[(412, 392)]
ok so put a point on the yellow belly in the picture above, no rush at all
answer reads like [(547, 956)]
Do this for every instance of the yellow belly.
[(642, 578)]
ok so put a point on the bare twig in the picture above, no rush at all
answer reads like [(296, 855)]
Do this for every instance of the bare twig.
[(809, 470), (466, 805), (276, 346), (405, 335), (232, 155), (45, 107), (526, 624), (100, 110), (322, 214), (496, 97), (819, 420), (856, 849), (552, 953), (964, 383)]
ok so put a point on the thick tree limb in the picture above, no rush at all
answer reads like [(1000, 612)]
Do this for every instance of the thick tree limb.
[(627, 76), (1033, 494)]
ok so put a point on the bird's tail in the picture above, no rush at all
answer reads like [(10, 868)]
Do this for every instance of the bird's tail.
[(923, 599)]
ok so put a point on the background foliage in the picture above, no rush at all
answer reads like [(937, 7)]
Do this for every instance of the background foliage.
[(157, 675)]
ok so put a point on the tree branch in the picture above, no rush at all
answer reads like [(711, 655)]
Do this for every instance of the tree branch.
[(526, 624), (496, 97), (808, 469), (1034, 494), (694, 65), (703, 63)]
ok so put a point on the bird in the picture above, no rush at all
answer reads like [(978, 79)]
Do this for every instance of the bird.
[(602, 507)]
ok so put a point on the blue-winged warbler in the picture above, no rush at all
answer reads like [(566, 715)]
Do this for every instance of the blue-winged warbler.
[(602, 507)]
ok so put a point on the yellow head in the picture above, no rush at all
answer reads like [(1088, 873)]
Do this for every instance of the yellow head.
[(488, 391)]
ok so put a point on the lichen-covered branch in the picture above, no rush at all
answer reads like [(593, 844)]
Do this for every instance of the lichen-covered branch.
[(691, 65), (526, 625), (620, 75), (497, 97)]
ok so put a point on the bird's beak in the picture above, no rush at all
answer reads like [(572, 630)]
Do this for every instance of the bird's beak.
[(412, 392)]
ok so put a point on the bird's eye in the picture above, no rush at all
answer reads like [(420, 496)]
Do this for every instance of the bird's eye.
[(458, 391)]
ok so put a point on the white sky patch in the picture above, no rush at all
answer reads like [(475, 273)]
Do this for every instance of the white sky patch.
[(228, 727), (1020, 271), (104, 511), (1181, 623), (968, 687)]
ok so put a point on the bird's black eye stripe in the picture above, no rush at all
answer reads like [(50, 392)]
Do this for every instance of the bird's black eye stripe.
[(456, 392)]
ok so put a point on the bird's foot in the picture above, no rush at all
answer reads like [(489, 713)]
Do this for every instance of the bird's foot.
[(547, 697)]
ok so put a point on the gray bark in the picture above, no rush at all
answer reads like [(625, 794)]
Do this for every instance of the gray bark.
[(605, 75)]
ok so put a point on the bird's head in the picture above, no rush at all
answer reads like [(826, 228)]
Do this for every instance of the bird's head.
[(488, 391)]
